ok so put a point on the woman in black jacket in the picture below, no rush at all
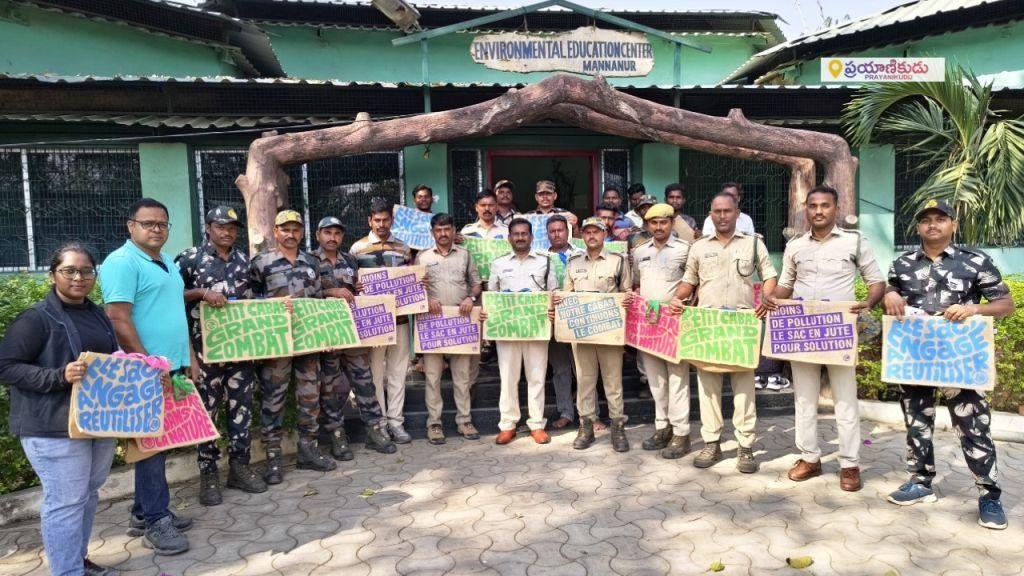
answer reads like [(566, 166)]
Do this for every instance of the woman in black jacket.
[(38, 360)]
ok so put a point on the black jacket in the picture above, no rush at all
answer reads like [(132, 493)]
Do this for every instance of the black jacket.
[(35, 349)]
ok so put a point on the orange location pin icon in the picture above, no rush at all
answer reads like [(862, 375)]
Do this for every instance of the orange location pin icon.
[(835, 67)]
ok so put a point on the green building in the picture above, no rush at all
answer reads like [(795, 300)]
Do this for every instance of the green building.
[(104, 101)]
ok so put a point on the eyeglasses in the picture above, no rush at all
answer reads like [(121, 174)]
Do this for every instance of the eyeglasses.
[(153, 224), (70, 272)]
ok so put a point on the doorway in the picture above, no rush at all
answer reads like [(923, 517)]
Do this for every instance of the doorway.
[(574, 173)]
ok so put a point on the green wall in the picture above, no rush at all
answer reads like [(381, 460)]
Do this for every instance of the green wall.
[(659, 168), (86, 47), (166, 174), (430, 169), (876, 194)]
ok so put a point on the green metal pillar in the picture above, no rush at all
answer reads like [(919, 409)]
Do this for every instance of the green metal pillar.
[(166, 173)]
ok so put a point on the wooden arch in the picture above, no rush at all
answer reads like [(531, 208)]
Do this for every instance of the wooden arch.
[(589, 104)]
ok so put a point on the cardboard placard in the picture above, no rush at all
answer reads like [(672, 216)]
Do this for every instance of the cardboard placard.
[(932, 351), (720, 340), (812, 331), (589, 318), (412, 227), (618, 246), (540, 229), (484, 251), (653, 331), (559, 267), (448, 332), (375, 319), (322, 324), (517, 316), (186, 423), (245, 330), (402, 282), (117, 398)]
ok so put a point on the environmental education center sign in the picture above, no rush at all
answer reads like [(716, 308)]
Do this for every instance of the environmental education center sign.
[(586, 50)]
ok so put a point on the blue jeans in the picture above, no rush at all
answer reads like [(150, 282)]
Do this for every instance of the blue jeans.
[(152, 497), (72, 472)]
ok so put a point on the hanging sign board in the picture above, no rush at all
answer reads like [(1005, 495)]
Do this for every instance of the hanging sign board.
[(586, 50), (932, 351), (811, 331)]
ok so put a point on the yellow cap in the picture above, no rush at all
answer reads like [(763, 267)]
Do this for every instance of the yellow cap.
[(660, 211), (286, 216)]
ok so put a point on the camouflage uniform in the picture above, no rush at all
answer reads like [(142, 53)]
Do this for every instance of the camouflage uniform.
[(355, 362), (960, 276), (201, 267), (272, 276)]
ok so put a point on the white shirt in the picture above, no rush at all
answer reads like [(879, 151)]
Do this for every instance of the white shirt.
[(744, 224)]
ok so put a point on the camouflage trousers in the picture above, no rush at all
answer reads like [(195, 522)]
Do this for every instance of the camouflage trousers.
[(275, 378), (342, 372), (231, 384), (971, 417)]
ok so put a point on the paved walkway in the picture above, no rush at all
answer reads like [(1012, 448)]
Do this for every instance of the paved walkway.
[(477, 508)]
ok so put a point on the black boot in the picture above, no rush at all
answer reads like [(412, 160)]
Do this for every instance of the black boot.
[(209, 489), (619, 441), (377, 439), (310, 457), (678, 447), (242, 477), (585, 435), (339, 445), (273, 473), (659, 439)]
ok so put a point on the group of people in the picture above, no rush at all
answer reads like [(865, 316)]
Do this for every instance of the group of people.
[(152, 306)]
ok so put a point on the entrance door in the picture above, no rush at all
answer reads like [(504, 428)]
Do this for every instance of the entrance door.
[(574, 173)]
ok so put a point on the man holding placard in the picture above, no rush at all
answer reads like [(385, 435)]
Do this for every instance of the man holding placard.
[(659, 266), (524, 270), (338, 273), (215, 272), (288, 272), (389, 364), (598, 270), (559, 353), (939, 278), (822, 264), (721, 270), (454, 281)]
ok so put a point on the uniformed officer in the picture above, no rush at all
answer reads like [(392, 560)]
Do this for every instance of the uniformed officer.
[(560, 353), (598, 270), (389, 364), (523, 270), (453, 281), (487, 224), (822, 265), (659, 266), (215, 272), (290, 272), (721, 270), (546, 196), (940, 278), (348, 369)]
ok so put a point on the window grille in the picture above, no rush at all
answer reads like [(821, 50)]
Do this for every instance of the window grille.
[(614, 170), (466, 173)]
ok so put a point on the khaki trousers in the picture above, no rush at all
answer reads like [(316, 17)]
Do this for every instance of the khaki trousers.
[(744, 416), (670, 388), (806, 388), (511, 358), (591, 359), (462, 369), (389, 365)]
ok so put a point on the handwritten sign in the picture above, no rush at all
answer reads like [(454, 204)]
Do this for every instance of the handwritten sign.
[(117, 398), (402, 282), (590, 318), (618, 246), (448, 332), (810, 331), (412, 227), (540, 229), (375, 319), (484, 251), (245, 330), (652, 329), (517, 316), (932, 351), (186, 424), (720, 340), (585, 50), (322, 324)]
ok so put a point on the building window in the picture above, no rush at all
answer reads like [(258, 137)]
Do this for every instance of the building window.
[(341, 186), (51, 196), (614, 170), (466, 173), (908, 180)]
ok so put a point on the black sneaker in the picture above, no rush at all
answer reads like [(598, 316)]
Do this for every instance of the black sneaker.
[(209, 489), (94, 569), (137, 524), (164, 538), (242, 477), (707, 457)]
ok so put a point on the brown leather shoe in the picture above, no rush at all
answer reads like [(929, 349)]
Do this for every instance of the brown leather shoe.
[(561, 423), (849, 479), (505, 436), (804, 470), (540, 436)]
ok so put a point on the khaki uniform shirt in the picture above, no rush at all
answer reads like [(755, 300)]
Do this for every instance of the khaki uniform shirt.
[(826, 269), (724, 273), (660, 270), (497, 231), (609, 272), (451, 276), (534, 273)]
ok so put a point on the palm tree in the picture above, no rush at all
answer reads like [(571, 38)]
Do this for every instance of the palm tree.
[(973, 156)]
